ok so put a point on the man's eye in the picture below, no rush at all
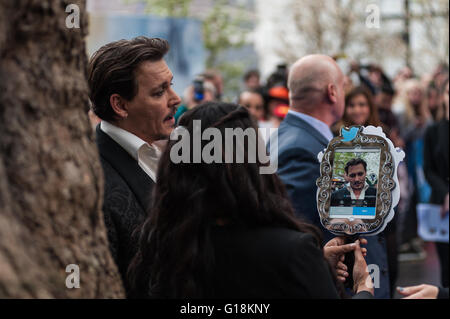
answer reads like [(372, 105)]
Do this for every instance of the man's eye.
[(159, 93)]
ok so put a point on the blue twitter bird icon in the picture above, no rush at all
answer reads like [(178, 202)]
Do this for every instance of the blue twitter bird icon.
[(350, 134)]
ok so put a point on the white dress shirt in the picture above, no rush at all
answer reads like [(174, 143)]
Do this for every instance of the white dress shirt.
[(363, 192), (320, 126), (145, 154)]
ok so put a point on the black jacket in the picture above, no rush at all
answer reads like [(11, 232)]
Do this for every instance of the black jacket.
[(342, 197), (436, 149), (269, 262), (127, 196)]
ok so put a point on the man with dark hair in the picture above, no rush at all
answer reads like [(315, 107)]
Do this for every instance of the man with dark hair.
[(358, 193), (130, 90)]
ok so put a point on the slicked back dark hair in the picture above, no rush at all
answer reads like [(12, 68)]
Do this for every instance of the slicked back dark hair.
[(112, 70), (354, 162)]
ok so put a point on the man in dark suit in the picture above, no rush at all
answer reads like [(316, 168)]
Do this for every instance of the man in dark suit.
[(130, 90), (316, 86), (358, 193), (317, 101)]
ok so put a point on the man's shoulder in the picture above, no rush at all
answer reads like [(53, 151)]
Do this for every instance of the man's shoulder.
[(296, 138), (287, 129)]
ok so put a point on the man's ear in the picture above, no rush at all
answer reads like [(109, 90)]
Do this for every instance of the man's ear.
[(332, 93), (119, 106)]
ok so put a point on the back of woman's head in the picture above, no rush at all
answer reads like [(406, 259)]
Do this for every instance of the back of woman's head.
[(214, 179), (176, 256)]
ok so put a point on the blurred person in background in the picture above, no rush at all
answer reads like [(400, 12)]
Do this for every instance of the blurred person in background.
[(253, 100), (277, 105), (359, 110), (402, 76), (413, 114), (200, 91), (370, 76), (376, 77), (277, 96), (436, 162), (252, 80), (414, 118), (278, 78), (440, 75), (216, 78), (348, 84), (383, 102), (432, 102), (256, 102)]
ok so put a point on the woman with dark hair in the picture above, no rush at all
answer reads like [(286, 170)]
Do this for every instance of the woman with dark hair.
[(359, 110), (254, 101), (224, 230)]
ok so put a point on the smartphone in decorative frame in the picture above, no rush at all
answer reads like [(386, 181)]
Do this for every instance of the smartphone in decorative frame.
[(358, 184)]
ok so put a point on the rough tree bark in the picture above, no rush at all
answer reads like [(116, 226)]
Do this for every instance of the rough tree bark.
[(51, 183)]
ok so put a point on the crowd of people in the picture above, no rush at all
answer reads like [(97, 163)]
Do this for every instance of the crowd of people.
[(208, 230)]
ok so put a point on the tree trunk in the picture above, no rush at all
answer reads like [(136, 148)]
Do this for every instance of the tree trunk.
[(51, 183)]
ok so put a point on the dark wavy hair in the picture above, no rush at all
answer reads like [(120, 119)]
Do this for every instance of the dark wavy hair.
[(175, 258), (354, 162), (112, 69)]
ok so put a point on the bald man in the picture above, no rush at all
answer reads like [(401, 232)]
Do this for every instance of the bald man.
[(317, 101)]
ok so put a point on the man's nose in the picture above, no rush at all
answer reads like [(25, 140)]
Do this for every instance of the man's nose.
[(175, 99)]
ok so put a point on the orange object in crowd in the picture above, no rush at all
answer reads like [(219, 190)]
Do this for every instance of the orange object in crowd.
[(279, 92), (281, 111)]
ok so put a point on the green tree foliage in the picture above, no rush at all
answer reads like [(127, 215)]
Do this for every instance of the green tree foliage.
[(224, 28), (167, 8)]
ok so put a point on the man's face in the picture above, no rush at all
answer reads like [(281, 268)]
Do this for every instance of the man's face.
[(151, 111), (252, 82), (356, 176), (254, 103)]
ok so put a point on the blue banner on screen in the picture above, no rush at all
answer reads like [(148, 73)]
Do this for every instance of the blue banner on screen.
[(353, 212)]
